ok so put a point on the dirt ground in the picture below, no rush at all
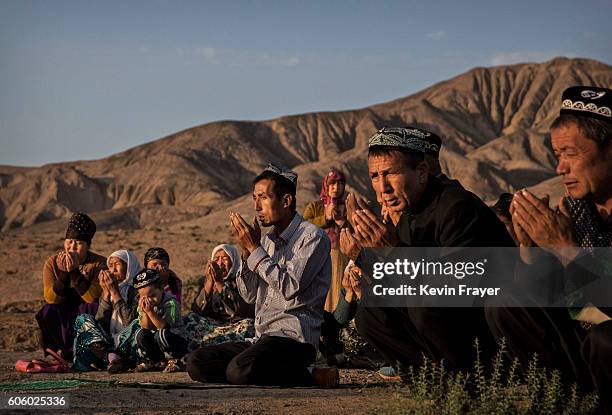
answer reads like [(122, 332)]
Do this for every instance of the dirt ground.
[(361, 391)]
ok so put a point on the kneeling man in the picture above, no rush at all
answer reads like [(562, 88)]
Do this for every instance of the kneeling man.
[(286, 275)]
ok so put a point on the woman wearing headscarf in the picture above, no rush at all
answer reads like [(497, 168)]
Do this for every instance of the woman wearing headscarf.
[(158, 258), (218, 295), (98, 337), (70, 286), (219, 312), (329, 213)]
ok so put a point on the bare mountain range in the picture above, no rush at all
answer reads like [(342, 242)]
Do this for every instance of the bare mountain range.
[(494, 123)]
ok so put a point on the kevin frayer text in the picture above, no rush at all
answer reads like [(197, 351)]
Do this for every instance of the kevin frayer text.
[(427, 290)]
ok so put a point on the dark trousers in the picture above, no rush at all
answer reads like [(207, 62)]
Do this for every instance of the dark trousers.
[(278, 361), (561, 343), (56, 323), (153, 344), (405, 335)]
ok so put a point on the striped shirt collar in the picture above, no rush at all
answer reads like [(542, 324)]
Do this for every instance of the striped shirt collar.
[(285, 236)]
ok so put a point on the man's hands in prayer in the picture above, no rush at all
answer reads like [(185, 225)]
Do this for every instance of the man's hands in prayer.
[(537, 224), (371, 232), (355, 202), (520, 234), (349, 245), (544, 226), (249, 237)]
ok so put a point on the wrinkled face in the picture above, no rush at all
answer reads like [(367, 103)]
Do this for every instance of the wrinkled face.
[(154, 293), (161, 265), (335, 189), (397, 185), (224, 261), (269, 209), (586, 170), (117, 268), (80, 247)]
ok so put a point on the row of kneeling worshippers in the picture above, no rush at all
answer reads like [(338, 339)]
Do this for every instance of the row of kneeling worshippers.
[(264, 309)]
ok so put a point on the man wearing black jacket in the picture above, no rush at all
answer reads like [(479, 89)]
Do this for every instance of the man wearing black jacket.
[(427, 212), (576, 340)]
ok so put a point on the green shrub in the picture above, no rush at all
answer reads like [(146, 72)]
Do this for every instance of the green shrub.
[(498, 389)]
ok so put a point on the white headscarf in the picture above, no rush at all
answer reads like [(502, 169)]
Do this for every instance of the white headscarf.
[(133, 267), (234, 257)]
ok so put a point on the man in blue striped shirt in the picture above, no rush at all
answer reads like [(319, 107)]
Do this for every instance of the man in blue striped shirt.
[(286, 274)]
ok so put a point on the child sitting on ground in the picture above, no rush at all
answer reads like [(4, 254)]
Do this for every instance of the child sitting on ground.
[(160, 324)]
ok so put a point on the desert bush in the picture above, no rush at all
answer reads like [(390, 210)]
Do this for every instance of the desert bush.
[(499, 388)]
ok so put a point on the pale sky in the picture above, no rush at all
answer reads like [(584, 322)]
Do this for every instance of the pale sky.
[(84, 80)]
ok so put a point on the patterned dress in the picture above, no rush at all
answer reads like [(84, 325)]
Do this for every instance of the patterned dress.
[(204, 330), (91, 337)]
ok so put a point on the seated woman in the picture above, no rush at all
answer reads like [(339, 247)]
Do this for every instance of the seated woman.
[(97, 338), (70, 286), (158, 259), (219, 312), (218, 296)]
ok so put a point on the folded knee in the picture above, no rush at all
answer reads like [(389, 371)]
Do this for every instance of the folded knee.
[(240, 374), (194, 367), (199, 366)]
